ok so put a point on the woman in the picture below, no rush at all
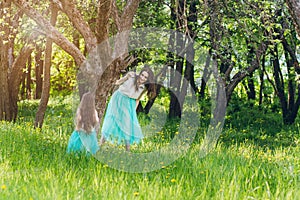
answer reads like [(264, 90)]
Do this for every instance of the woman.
[(120, 121)]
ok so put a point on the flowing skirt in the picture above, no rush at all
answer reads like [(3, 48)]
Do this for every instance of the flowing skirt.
[(82, 142), (120, 123)]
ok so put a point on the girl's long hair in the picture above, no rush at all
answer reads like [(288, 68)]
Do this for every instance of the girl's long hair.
[(86, 116), (149, 84)]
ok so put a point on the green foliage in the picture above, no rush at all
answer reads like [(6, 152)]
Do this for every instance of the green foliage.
[(63, 74), (152, 14), (257, 125)]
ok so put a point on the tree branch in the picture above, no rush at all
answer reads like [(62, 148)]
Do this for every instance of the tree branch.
[(51, 31), (68, 7), (128, 14), (115, 15), (238, 77), (126, 20)]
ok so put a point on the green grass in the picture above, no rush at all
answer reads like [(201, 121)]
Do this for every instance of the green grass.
[(34, 165)]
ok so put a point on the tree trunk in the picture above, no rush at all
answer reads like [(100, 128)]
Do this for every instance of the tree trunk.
[(175, 84), (6, 110), (239, 76), (113, 62), (279, 82), (262, 81), (28, 78), (25, 91), (293, 84), (92, 71), (39, 65), (159, 80), (175, 105), (289, 101), (13, 79), (205, 76), (192, 21), (190, 53), (251, 94), (294, 8), (11, 70), (40, 114), (5, 106)]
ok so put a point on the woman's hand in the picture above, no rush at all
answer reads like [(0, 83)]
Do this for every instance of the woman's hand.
[(123, 79)]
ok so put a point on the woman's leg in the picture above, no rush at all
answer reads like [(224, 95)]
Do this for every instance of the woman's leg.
[(102, 140)]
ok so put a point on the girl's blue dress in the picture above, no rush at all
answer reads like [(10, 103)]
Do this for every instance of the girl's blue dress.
[(82, 142), (120, 123)]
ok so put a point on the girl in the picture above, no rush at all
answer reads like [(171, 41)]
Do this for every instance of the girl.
[(84, 137), (120, 121)]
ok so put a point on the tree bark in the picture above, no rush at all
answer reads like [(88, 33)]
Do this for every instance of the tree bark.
[(279, 83), (40, 114), (16, 72), (25, 91), (293, 101), (68, 7), (158, 84), (204, 78), (251, 94), (5, 106), (39, 65), (262, 81), (28, 78), (288, 96), (294, 8), (11, 69), (119, 60), (190, 53), (175, 81)]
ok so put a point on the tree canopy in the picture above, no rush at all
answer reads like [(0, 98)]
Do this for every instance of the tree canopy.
[(250, 47)]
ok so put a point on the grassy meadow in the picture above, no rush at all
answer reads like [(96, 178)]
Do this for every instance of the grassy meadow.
[(256, 157)]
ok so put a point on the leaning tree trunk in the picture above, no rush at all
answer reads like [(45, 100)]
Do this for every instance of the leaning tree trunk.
[(40, 114)]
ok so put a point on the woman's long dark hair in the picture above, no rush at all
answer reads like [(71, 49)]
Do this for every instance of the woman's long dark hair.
[(149, 84)]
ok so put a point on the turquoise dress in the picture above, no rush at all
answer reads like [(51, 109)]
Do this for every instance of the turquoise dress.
[(80, 141), (120, 122)]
